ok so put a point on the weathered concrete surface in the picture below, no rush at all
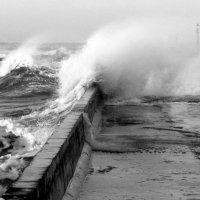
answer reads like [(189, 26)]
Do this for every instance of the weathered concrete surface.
[(52, 168), (80, 173), (168, 173), (163, 159)]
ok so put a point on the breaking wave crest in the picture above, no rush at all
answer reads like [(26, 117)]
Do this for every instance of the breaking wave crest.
[(133, 59)]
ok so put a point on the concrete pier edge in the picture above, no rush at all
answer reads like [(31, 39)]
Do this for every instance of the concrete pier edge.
[(49, 173), (80, 173)]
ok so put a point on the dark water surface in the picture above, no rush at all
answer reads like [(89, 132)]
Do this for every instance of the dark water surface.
[(28, 111)]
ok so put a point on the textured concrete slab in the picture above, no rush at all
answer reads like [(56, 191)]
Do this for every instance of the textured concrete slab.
[(165, 172)]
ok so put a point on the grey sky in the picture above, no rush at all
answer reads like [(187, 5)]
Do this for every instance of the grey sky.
[(76, 20)]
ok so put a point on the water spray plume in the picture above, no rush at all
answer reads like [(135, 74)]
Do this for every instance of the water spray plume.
[(23, 56), (129, 59), (134, 59)]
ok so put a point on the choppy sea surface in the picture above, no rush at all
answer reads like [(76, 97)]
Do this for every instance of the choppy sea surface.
[(29, 106)]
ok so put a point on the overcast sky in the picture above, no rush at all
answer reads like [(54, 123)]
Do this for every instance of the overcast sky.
[(76, 20)]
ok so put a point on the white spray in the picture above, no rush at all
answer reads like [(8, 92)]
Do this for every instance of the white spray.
[(23, 56), (134, 58)]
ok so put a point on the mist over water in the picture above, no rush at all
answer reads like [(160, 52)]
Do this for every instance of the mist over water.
[(127, 59), (145, 58)]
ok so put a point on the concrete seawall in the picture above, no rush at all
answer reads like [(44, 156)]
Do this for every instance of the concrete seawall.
[(49, 173)]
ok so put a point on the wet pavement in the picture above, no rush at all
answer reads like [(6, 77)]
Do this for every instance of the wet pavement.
[(148, 151)]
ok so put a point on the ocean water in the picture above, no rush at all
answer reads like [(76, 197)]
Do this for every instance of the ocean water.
[(30, 107)]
